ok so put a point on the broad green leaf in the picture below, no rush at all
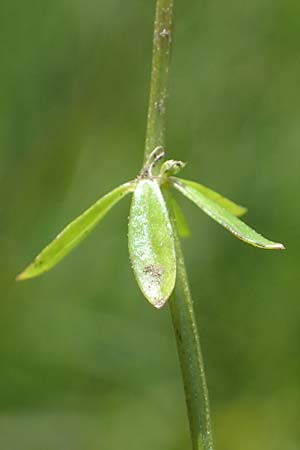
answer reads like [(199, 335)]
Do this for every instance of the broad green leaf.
[(74, 233), (232, 207), (221, 215), (181, 223), (151, 243)]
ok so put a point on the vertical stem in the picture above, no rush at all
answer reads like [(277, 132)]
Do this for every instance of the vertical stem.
[(190, 355), (181, 305), (162, 39)]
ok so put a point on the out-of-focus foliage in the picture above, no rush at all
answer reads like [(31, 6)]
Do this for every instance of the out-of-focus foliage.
[(85, 362)]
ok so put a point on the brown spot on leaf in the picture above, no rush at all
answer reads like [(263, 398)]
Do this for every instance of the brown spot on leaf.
[(155, 271)]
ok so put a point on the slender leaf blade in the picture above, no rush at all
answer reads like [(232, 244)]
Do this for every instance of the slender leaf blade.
[(221, 215), (180, 220), (151, 243), (75, 232), (229, 205)]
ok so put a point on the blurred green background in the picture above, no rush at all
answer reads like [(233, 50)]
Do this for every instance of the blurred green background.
[(85, 362)]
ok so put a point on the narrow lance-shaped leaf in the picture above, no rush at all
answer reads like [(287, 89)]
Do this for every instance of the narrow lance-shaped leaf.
[(227, 204), (221, 215), (151, 243), (181, 223), (172, 167), (75, 232)]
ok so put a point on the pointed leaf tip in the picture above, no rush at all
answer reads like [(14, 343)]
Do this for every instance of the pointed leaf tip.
[(280, 247), (74, 233), (21, 276)]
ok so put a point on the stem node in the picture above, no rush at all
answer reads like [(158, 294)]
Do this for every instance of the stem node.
[(181, 305)]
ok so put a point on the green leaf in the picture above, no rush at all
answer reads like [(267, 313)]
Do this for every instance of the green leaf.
[(227, 204), (75, 232), (221, 215), (181, 223), (151, 243)]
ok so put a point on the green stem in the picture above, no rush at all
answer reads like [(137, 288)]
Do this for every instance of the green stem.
[(190, 356), (162, 39), (181, 305)]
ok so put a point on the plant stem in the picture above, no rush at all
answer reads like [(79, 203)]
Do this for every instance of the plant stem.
[(190, 355), (181, 305), (156, 120)]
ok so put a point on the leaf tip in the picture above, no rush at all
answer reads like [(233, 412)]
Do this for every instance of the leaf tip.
[(21, 276), (275, 246), (242, 211), (160, 303), (26, 274)]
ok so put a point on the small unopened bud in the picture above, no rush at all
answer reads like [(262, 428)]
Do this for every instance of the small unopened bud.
[(171, 167)]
